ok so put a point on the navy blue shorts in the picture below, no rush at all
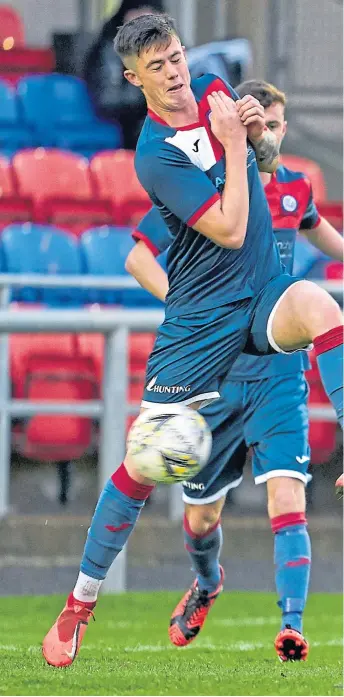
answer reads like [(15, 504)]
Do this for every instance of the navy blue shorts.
[(193, 353), (271, 417)]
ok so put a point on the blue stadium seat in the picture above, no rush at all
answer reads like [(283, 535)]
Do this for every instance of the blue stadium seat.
[(59, 109), (305, 257), (43, 249), (14, 135), (103, 252)]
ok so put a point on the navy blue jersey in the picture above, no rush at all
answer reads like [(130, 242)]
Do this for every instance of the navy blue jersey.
[(183, 171), (289, 195)]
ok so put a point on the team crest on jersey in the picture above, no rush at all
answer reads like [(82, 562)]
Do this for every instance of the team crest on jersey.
[(289, 203)]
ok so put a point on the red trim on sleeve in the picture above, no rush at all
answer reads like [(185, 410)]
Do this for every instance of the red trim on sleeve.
[(283, 521), (128, 486), (137, 235), (328, 340), (203, 209), (317, 222)]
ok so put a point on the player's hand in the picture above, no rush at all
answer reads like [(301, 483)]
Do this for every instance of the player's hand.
[(252, 116), (225, 121)]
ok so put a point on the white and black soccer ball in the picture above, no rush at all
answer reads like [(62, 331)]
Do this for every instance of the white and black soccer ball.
[(169, 444)]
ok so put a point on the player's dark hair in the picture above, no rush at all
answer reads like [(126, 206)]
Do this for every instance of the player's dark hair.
[(266, 93), (141, 33)]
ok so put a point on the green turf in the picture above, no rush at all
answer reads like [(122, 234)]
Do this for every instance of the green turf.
[(127, 652)]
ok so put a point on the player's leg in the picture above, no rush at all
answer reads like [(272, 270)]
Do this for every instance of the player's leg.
[(306, 314), (115, 516), (204, 497), (178, 372), (292, 557), (277, 426)]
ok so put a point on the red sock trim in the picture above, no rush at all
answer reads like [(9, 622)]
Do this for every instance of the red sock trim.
[(128, 486), (283, 521), (192, 534), (329, 340), (74, 601)]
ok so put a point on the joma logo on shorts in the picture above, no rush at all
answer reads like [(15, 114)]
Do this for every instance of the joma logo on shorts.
[(193, 486), (164, 389)]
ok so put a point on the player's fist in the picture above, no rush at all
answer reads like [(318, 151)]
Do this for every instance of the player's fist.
[(225, 120), (252, 116)]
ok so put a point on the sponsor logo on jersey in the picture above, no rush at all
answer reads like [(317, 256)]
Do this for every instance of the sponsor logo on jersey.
[(302, 459), (166, 389), (194, 486), (289, 203)]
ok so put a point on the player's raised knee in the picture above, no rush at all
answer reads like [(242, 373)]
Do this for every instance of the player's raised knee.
[(320, 310)]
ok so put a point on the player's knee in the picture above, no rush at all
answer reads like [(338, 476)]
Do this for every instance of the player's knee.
[(202, 518), (285, 495), (323, 313), (134, 474)]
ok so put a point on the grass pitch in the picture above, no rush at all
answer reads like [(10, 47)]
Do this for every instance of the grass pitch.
[(127, 651)]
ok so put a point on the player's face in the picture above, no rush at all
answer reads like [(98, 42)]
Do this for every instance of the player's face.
[(274, 120), (163, 76)]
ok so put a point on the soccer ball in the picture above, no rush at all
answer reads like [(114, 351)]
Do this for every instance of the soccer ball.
[(169, 444)]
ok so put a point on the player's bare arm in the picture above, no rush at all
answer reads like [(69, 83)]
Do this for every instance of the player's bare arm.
[(326, 238), (142, 264), (226, 221), (263, 140)]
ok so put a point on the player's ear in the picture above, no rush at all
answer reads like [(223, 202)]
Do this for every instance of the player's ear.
[(284, 130), (131, 76)]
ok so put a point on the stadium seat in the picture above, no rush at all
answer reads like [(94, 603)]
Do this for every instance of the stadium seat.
[(60, 187), (13, 134), (47, 367), (11, 28), (312, 170), (13, 209), (104, 251), (59, 109), (305, 256), (333, 212), (322, 434), (32, 248), (115, 179), (334, 271), (21, 61), (140, 347)]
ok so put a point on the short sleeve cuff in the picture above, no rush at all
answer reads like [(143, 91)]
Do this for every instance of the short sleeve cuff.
[(317, 222), (203, 209), (137, 235)]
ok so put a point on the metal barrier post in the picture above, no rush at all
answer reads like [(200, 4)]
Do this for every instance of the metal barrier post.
[(175, 502), (5, 419), (113, 428)]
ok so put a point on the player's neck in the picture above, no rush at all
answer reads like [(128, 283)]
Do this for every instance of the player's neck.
[(186, 116), (265, 178)]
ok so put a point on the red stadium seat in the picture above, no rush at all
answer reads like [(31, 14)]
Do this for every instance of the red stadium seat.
[(333, 212), (11, 28), (47, 367), (13, 209), (21, 61), (115, 179), (312, 170), (334, 271), (60, 187), (322, 434), (140, 346)]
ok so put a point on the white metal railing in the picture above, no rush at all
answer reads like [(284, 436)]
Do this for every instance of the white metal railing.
[(113, 409)]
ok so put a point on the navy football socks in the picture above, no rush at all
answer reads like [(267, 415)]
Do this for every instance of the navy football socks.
[(204, 551), (293, 564)]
